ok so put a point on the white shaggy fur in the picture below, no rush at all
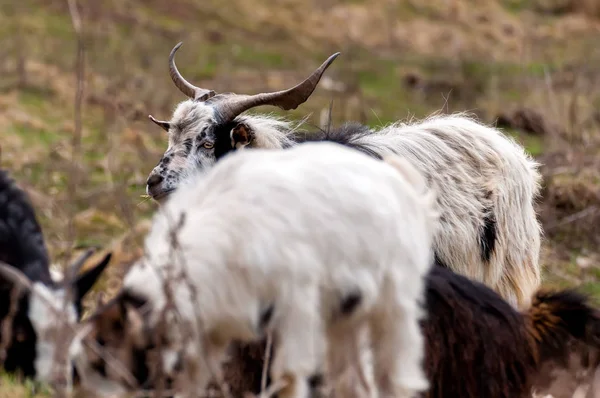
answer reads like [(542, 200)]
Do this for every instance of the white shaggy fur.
[(477, 171), (302, 230)]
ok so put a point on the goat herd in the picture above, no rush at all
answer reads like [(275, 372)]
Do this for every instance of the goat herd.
[(394, 263)]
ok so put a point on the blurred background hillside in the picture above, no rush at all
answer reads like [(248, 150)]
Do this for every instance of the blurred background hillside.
[(527, 66)]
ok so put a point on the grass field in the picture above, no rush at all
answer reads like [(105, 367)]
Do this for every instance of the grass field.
[(400, 59)]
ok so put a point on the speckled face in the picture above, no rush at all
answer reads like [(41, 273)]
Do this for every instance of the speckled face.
[(196, 138), (196, 141)]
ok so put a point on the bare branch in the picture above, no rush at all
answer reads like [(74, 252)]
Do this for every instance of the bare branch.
[(263, 379), (62, 368), (76, 139)]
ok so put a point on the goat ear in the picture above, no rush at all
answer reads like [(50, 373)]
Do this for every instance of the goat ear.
[(241, 135), (87, 279)]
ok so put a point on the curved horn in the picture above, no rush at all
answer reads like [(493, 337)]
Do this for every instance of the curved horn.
[(15, 276), (230, 106), (197, 93)]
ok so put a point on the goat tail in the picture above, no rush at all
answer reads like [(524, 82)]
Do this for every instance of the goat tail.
[(557, 318)]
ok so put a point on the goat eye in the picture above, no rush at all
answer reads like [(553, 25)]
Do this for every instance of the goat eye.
[(208, 145)]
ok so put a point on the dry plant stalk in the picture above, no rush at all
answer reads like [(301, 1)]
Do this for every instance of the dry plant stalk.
[(177, 256), (64, 336), (263, 379), (73, 181)]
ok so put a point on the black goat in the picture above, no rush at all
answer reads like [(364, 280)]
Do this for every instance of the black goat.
[(24, 263)]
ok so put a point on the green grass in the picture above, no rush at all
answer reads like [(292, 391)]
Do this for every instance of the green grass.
[(253, 56), (593, 289), (34, 135), (57, 25), (516, 6), (12, 387), (532, 143), (36, 97)]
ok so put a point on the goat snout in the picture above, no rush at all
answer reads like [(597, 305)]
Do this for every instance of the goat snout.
[(154, 186), (154, 180)]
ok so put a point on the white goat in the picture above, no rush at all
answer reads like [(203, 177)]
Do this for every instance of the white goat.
[(487, 184), (316, 244)]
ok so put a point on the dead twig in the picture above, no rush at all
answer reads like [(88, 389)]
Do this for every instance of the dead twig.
[(263, 379), (76, 138), (62, 364)]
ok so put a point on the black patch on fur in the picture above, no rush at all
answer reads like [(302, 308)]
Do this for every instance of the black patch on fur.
[(222, 139), (165, 160), (131, 298), (141, 371), (350, 302), (265, 316), (75, 376), (349, 134), (487, 239), (200, 137), (188, 144), (100, 367), (437, 262), (316, 380)]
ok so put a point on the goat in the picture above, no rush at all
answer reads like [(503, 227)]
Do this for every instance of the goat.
[(298, 243), (25, 265), (487, 183), (476, 344)]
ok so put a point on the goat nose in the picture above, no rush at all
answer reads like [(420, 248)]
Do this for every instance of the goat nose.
[(154, 180)]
